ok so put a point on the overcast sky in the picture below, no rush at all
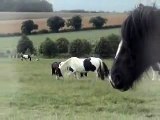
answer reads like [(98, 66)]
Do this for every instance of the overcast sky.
[(98, 5)]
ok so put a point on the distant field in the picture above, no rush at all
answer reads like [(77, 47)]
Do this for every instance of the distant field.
[(29, 92), (9, 43), (10, 22)]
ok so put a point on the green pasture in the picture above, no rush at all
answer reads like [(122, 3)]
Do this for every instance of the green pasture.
[(9, 43), (29, 92)]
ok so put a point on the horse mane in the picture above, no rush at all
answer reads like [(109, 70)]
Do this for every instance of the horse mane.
[(139, 23)]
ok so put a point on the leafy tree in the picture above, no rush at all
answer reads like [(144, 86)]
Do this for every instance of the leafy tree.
[(48, 48), (75, 22), (62, 45), (55, 23), (25, 44), (98, 21), (28, 26)]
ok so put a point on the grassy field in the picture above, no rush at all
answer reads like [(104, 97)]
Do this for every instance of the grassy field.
[(9, 43), (29, 92)]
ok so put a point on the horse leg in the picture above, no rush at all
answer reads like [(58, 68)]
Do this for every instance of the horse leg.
[(153, 74), (69, 73), (77, 76), (97, 75), (56, 77)]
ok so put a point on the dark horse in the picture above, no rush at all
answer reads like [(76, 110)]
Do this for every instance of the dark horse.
[(23, 56), (139, 48), (56, 71)]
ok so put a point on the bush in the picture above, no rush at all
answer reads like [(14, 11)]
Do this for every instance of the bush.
[(107, 46), (114, 39), (62, 45), (48, 48), (80, 47), (87, 47), (25, 44)]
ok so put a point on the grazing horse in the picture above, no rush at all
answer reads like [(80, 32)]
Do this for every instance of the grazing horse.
[(23, 56), (85, 65), (139, 47), (56, 70)]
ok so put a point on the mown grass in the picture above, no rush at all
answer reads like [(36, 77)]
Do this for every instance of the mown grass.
[(10, 43), (29, 92)]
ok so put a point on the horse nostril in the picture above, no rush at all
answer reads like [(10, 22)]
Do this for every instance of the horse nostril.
[(117, 79)]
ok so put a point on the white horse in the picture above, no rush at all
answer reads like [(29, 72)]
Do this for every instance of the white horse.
[(85, 65)]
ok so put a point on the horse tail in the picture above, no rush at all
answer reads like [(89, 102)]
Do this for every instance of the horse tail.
[(52, 69), (101, 70), (106, 70)]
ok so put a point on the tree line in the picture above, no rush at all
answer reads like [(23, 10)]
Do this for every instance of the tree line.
[(105, 47), (25, 6), (56, 23)]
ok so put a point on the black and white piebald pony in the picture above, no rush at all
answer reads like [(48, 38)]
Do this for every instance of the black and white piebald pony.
[(23, 56), (56, 71), (139, 48), (80, 65)]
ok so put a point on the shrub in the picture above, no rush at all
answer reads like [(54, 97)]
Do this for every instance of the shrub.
[(62, 45), (80, 47), (48, 48), (25, 43), (107, 46), (87, 47), (114, 39)]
